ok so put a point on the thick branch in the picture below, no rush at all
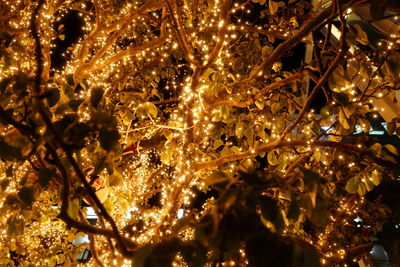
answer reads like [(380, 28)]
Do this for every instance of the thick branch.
[(59, 140), (176, 18)]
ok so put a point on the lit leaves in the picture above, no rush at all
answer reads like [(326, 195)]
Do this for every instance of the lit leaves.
[(352, 184), (391, 127), (376, 177), (387, 152), (73, 208), (273, 7), (261, 2), (145, 110), (115, 179), (273, 157), (239, 130), (343, 119), (362, 183), (326, 112)]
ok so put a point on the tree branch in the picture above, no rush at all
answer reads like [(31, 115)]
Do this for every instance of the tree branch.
[(347, 148), (289, 43), (37, 101)]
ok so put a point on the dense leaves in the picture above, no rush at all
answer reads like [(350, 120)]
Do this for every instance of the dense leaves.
[(182, 133)]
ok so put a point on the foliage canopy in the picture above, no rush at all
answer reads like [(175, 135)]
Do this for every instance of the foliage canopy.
[(190, 130)]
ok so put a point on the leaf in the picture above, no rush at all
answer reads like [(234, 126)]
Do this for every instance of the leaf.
[(75, 103), (165, 156), (361, 37), (115, 179), (362, 189), (326, 111), (320, 212), (259, 104), (353, 184), (340, 98), (108, 138), (368, 183), (376, 177), (272, 157), (15, 227), (104, 119), (294, 210), (9, 152), (3, 84), (62, 125), (275, 107), (217, 177), (218, 143), (52, 96), (60, 258), (77, 134), (391, 127), (270, 212), (95, 96), (147, 109), (4, 183), (365, 125), (392, 149), (266, 50), (73, 209), (343, 120), (61, 108), (26, 195), (45, 176), (273, 7), (239, 130), (153, 111), (377, 8), (348, 110), (70, 79)]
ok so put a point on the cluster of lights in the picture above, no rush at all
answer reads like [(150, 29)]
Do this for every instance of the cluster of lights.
[(100, 58)]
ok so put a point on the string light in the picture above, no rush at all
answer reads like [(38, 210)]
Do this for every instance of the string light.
[(160, 78)]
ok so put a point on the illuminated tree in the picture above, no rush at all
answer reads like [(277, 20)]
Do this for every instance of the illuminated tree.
[(191, 132)]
